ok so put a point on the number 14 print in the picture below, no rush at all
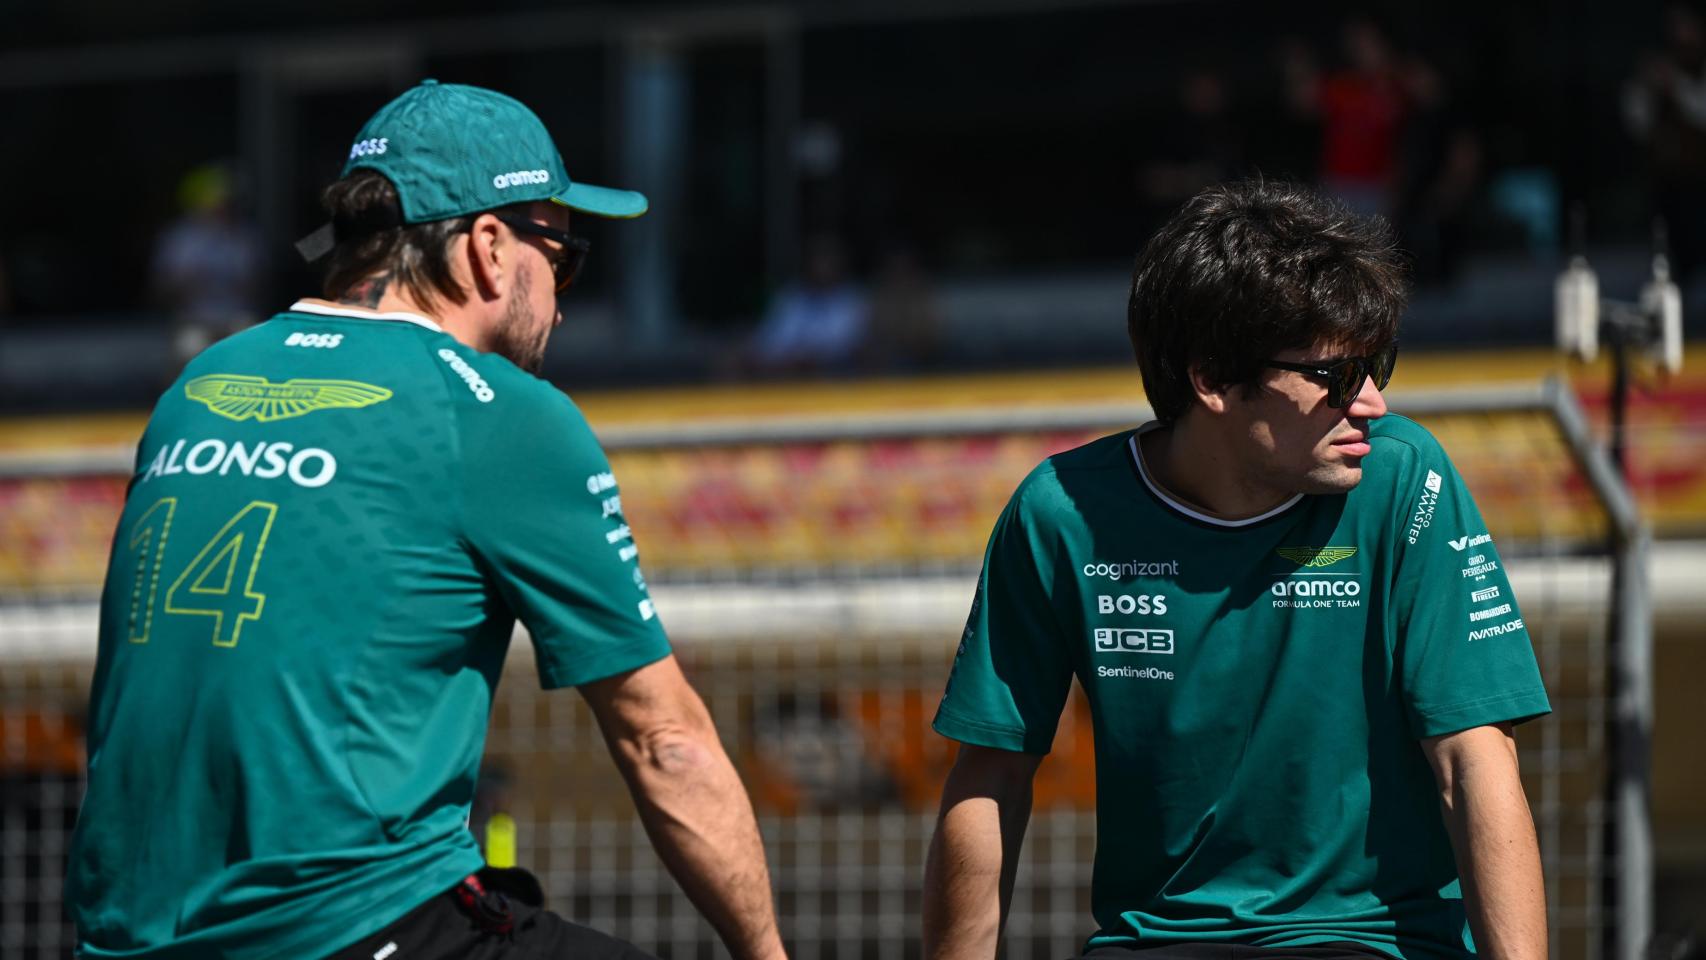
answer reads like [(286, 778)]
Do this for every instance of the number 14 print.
[(209, 586)]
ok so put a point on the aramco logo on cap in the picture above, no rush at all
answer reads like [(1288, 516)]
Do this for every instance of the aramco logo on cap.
[(504, 181)]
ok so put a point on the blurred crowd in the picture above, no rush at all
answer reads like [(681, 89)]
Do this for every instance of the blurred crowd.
[(1359, 112)]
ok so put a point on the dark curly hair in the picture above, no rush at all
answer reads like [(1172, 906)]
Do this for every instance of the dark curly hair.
[(370, 237), (1245, 270)]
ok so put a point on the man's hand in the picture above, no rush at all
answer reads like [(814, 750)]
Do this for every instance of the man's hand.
[(968, 878), (691, 801), (1492, 835)]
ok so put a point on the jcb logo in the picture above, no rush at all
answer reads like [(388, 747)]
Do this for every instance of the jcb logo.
[(1123, 640)]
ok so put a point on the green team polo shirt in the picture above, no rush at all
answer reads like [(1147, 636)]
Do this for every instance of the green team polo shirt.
[(336, 519), (1257, 689)]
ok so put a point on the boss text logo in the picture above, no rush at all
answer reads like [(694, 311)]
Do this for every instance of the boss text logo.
[(1142, 605), (300, 339), (369, 148)]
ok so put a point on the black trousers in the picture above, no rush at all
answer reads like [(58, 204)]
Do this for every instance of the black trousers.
[(495, 915), (1335, 950)]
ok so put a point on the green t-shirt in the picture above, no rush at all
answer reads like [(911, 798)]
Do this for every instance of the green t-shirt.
[(335, 520), (1257, 690)]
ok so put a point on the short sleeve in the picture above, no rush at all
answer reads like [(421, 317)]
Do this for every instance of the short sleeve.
[(543, 513), (1012, 673), (1463, 652)]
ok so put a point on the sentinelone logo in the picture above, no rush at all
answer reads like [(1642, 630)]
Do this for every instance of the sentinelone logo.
[(1133, 568)]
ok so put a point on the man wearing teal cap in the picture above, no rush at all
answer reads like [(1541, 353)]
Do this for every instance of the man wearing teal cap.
[(336, 518)]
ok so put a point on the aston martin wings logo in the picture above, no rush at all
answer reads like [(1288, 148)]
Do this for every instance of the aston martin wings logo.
[(237, 396), (1316, 556)]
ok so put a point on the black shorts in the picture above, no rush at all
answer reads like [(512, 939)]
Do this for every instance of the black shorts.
[(494, 914), (1335, 950)]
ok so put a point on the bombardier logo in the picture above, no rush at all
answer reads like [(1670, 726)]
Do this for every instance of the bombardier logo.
[(518, 178), (1476, 616)]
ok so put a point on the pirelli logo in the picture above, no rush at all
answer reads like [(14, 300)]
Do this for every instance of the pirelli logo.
[(1133, 640)]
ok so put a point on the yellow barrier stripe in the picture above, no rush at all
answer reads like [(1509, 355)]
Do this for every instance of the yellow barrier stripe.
[(1113, 383)]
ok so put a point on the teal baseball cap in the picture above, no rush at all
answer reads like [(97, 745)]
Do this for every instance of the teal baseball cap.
[(452, 150)]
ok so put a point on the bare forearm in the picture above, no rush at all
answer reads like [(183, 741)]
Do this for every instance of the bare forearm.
[(697, 814), (1498, 857), (968, 876)]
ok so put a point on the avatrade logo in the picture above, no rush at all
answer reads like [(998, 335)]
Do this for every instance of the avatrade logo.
[(1316, 556), (1466, 541), (1423, 516), (1497, 630)]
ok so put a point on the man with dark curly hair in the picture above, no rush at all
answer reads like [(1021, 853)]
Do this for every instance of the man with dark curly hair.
[(1301, 653)]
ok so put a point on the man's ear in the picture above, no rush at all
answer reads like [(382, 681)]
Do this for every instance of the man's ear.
[(1209, 394), (490, 255)]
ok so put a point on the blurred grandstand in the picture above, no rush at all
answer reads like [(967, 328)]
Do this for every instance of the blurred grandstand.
[(812, 529)]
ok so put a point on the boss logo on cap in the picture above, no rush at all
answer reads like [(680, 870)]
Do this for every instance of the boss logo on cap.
[(369, 148), (504, 181)]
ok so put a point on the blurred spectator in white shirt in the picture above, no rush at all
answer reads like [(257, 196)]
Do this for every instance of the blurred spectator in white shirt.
[(817, 324), (207, 264)]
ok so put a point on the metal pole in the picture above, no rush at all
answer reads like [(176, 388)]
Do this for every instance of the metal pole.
[(1631, 743), (782, 81), (1628, 890), (654, 124)]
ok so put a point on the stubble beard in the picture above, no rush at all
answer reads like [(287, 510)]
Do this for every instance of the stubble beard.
[(519, 338)]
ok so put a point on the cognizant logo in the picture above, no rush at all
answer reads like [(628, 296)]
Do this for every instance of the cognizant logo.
[(1133, 568)]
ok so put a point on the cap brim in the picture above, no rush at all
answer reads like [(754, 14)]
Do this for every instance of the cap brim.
[(603, 201)]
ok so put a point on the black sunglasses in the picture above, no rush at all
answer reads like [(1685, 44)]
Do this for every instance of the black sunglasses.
[(1345, 376), (567, 262)]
